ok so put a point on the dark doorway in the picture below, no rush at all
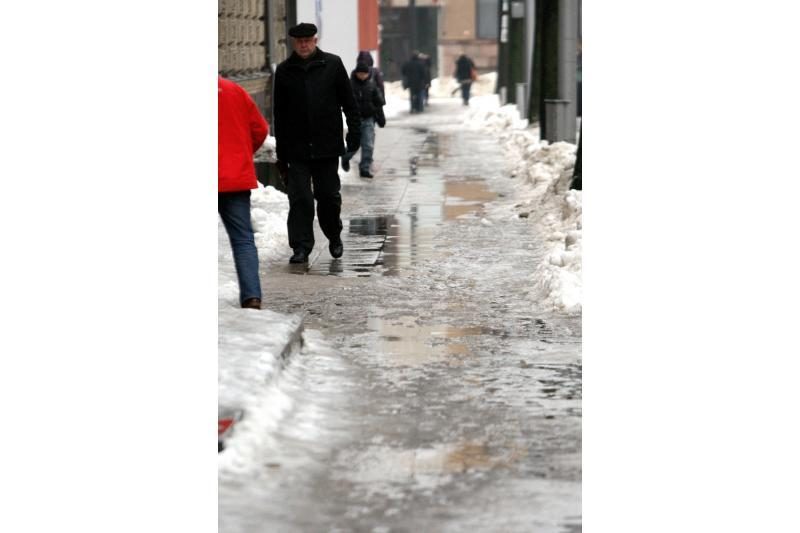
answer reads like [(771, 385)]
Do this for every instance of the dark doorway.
[(396, 45)]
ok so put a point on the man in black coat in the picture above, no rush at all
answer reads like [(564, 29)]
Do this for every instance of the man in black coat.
[(415, 79), (311, 89)]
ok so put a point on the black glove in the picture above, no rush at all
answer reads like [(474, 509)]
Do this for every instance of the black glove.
[(283, 169), (380, 119), (353, 144)]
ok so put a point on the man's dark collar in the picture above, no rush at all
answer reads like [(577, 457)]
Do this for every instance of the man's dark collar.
[(295, 57)]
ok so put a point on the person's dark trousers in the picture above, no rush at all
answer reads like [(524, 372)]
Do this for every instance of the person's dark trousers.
[(325, 177), (416, 100), (465, 87), (234, 210), (421, 100)]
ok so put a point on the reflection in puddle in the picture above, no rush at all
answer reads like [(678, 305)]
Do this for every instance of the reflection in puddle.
[(402, 240), (369, 225), (395, 241), (465, 197)]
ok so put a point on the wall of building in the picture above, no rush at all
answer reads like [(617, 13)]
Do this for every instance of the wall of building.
[(458, 35), (457, 20), (337, 21), (368, 25), (242, 46), (278, 13), (418, 3)]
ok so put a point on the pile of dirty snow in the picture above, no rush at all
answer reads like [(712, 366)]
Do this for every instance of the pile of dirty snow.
[(545, 172), (251, 342), (269, 210)]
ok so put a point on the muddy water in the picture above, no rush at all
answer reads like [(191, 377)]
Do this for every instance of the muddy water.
[(452, 402)]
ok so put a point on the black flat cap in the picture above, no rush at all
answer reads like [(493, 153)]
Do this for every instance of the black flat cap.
[(304, 29)]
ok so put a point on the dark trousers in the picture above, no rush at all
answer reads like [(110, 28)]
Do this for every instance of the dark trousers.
[(234, 209), (416, 99), (466, 85), (325, 177)]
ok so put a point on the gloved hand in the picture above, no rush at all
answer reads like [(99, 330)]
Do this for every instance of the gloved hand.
[(283, 169), (353, 144), (380, 119)]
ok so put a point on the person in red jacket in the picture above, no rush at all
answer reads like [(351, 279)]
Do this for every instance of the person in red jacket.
[(241, 131)]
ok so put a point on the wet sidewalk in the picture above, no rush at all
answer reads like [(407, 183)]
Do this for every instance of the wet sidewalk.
[(432, 393)]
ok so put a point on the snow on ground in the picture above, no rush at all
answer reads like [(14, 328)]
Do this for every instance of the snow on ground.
[(250, 342), (544, 171), (269, 212), (543, 194), (397, 98)]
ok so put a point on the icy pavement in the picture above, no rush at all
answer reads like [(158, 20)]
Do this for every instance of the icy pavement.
[(437, 389)]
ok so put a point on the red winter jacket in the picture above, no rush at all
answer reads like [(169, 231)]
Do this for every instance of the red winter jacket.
[(241, 131)]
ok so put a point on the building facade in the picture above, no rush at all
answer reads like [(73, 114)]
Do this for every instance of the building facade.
[(253, 36), (469, 27), (443, 29)]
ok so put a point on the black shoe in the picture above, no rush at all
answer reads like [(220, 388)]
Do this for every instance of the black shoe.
[(366, 174), (300, 256), (346, 165), (336, 248)]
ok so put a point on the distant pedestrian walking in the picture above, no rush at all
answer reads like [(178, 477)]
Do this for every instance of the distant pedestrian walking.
[(426, 61), (370, 104), (241, 131), (375, 73), (311, 90), (465, 74), (414, 79)]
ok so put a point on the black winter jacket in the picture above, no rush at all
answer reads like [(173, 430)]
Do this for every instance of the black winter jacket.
[(414, 75), (464, 66), (307, 101)]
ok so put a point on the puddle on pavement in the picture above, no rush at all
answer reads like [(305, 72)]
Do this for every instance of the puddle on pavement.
[(430, 466), (405, 342), (399, 241), (464, 197)]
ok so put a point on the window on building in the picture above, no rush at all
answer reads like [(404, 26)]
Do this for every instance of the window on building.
[(487, 21)]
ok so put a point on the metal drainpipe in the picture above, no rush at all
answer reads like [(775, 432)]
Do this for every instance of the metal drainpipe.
[(567, 63)]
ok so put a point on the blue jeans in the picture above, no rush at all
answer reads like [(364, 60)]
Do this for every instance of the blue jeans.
[(234, 209), (367, 145)]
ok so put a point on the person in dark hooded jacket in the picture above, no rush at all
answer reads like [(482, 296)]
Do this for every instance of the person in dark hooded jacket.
[(465, 75), (370, 104), (374, 72), (311, 90)]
